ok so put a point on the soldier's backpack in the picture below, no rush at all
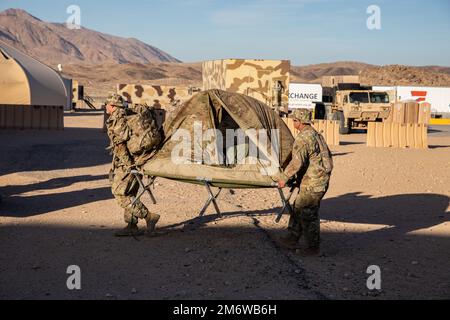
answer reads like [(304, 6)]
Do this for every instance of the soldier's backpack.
[(145, 134), (325, 153)]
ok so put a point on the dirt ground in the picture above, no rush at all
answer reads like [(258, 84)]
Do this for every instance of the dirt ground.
[(385, 207)]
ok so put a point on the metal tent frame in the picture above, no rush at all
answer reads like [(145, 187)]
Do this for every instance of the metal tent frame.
[(212, 197)]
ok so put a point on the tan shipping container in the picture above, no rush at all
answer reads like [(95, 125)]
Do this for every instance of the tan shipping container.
[(332, 81)]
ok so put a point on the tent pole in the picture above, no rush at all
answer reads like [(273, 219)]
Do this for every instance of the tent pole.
[(143, 188), (285, 202), (212, 198)]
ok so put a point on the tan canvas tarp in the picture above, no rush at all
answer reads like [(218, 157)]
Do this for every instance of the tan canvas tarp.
[(222, 111)]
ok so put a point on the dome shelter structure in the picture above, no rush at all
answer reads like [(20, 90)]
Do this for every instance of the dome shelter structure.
[(29, 90)]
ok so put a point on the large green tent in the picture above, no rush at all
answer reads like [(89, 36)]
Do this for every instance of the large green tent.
[(205, 125)]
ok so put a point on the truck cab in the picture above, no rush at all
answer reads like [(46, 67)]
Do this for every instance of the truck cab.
[(355, 108)]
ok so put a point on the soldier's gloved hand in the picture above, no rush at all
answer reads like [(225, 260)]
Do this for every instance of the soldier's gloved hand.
[(131, 168), (111, 175), (281, 184)]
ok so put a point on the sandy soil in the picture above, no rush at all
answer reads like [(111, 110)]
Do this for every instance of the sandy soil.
[(385, 207)]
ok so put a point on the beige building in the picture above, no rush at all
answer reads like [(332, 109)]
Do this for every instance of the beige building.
[(160, 97), (264, 80)]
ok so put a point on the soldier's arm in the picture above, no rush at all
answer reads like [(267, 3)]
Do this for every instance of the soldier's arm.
[(299, 158), (122, 154), (120, 130)]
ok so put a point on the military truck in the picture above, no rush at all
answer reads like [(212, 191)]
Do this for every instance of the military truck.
[(354, 105)]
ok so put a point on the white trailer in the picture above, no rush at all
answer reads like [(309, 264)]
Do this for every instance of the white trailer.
[(438, 97), (304, 95)]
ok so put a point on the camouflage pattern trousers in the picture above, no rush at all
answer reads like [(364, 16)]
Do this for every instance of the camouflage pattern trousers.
[(124, 188), (305, 221)]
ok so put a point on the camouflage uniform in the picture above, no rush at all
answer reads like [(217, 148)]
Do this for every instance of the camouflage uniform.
[(124, 184), (312, 164)]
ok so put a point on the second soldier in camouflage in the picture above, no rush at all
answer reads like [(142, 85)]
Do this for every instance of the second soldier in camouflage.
[(311, 166), (124, 184)]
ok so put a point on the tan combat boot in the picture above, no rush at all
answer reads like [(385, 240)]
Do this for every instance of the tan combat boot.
[(131, 230), (152, 219)]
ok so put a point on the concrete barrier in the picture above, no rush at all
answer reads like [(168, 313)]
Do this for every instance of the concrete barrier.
[(329, 129), (31, 117), (410, 112), (397, 135)]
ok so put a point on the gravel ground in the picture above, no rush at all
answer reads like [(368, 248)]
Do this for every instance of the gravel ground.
[(385, 207)]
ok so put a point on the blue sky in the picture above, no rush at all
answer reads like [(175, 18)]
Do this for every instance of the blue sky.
[(303, 31)]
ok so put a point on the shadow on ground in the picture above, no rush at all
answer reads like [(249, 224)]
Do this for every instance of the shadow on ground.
[(84, 112), (349, 143), (16, 204), (52, 150), (402, 213), (214, 262)]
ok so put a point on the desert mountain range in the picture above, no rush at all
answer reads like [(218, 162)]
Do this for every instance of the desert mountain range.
[(100, 61), (101, 79), (54, 43)]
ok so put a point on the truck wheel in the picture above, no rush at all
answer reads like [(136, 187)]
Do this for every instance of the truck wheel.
[(344, 127), (319, 112)]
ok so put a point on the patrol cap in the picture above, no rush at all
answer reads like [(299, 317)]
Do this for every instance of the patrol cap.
[(116, 101), (302, 115)]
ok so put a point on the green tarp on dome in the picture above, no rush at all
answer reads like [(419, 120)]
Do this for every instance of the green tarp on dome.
[(203, 122)]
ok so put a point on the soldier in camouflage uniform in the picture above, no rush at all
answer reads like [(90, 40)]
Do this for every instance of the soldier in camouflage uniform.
[(311, 166), (124, 184)]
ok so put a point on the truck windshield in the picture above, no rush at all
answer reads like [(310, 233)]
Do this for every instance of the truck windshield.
[(379, 97), (361, 97)]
